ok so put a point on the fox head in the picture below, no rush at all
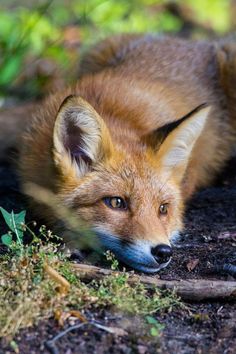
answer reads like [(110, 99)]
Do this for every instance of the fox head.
[(127, 188)]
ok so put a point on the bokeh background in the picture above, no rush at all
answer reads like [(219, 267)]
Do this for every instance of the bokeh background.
[(41, 42)]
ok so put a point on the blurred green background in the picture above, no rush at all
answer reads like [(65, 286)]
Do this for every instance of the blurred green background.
[(41, 43)]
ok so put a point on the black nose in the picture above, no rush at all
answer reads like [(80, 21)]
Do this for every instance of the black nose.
[(162, 253)]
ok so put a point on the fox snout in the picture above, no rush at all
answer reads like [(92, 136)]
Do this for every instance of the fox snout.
[(140, 254)]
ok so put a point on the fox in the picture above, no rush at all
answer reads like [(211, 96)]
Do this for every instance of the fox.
[(150, 121)]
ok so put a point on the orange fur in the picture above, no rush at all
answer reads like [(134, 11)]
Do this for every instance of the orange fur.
[(131, 86)]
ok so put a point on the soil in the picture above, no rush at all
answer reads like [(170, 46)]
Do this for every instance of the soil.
[(208, 242)]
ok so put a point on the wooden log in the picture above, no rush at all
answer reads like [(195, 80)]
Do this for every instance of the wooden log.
[(191, 289)]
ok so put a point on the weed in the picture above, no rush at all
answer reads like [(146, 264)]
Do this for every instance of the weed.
[(155, 326), (15, 223), (113, 261)]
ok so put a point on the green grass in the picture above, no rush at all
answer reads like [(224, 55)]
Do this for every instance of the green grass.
[(29, 292)]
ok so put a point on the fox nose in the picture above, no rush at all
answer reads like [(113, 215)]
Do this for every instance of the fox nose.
[(162, 253)]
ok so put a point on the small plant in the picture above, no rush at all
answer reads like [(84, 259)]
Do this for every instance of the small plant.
[(112, 259), (155, 326), (16, 224)]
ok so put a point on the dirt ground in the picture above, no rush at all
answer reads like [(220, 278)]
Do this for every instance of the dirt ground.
[(208, 242)]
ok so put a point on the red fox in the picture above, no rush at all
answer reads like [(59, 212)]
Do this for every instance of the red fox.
[(150, 121)]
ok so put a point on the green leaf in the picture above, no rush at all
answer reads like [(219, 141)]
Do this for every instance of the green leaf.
[(154, 331), (14, 222), (151, 320), (20, 218), (6, 239), (8, 218)]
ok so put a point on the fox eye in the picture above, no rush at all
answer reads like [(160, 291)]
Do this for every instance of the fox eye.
[(163, 209), (115, 203)]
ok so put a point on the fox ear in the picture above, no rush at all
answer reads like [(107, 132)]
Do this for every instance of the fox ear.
[(175, 151), (81, 138)]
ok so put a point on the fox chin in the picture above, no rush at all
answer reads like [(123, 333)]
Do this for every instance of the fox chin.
[(150, 121)]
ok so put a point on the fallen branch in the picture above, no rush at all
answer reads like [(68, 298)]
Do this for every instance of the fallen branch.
[(192, 289)]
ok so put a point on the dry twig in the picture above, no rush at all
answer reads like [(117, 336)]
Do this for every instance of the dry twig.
[(191, 290)]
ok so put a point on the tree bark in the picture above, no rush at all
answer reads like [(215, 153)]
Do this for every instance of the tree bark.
[(191, 290)]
